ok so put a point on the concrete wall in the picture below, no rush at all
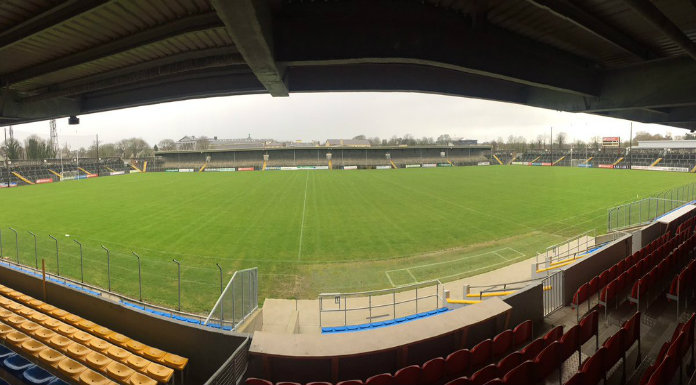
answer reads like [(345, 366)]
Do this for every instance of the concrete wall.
[(527, 304), (587, 268), (206, 348)]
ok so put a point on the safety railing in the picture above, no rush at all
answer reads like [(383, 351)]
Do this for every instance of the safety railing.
[(646, 210), (238, 300), (234, 368), (343, 309)]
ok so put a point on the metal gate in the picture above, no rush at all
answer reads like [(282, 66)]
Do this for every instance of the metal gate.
[(553, 292)]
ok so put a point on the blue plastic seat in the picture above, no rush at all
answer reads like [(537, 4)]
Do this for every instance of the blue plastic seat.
[(16, 364), (3, 382), (5, 352), (57, 381), (37, 376)]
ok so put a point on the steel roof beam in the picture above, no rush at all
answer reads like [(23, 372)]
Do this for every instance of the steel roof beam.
[(585, 20), (653, 15), (177, 27), (48, 19), (248, 23)]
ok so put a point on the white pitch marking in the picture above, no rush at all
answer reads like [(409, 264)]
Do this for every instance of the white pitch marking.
[(304, 206)]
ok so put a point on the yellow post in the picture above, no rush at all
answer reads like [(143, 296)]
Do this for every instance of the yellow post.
[(43, 272)]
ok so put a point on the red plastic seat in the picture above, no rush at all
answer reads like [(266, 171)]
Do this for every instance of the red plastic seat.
[(664, 372), (577, 379), (460, 381), (409, 375), (502, 343), (594, 287), (257, 381), (287, 383), (569, 342), (350, 382), (458, 363), (530, 351), (521, 375), (495, 381), (589, 326), (553, 335), (615, 350), (481, 354), (547, 361), (485, 374), (632, 327), (523, 333), (581, 295), (319, 383), (381, 379), (604, 279), (510, 362), (593, 368), (433, 371)]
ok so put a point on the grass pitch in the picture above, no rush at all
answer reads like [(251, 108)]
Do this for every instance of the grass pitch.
[(311, 231)]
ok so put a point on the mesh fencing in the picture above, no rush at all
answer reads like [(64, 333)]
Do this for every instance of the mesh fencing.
[(238, 299), (646, 210)]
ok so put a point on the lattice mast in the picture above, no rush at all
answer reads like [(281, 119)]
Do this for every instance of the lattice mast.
[(53, 141)]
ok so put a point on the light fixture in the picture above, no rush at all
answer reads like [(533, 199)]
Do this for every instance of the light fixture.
[(73, 120)]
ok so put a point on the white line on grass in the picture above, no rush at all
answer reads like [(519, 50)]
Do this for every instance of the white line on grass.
[(304, 206), (411, 274)]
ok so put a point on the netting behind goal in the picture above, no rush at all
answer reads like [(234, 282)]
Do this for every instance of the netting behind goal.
[(238, 299)]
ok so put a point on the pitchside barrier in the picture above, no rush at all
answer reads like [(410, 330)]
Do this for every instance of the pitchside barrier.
[(238, 300), (646, 210), (368, 307)]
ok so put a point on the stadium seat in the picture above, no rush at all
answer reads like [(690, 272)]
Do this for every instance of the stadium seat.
[(460, 381), (70, 368), (577, 379), (381, 379), (502, 343), (523, 333), (510, 362), (89, 377), (319, 383), (16, 364), (481, 354), (615, 350), (485, 374), (257, 381), (433, 371), (348, 382), (553, 335), (37, 376), (548, 361), (409, 375), (458, 363), (530, 351), (593, 368), (632, 327), (521, 375), (589, 326)]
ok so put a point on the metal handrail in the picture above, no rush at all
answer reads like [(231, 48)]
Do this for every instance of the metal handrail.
[(385, 291), (256, 306)]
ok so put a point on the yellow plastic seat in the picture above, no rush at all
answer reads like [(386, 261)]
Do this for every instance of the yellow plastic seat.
[(71, 368), (14, 306), (135, 346), (118, 339), (5, 314), (47, 308), (29, 327), (24, 298), (82, 337), (98, 360), (118, 354), (26, 312), (16, 338), (72, 319), (44, 334), (89, 377), (16, 320), (60, 342), (5, 330), (152, 354), (118, 371), (99, 345), (67, 330), (51, 323), (140, 379), (5, 301), (51, 357), (38, 317), (58, 313), (159, 372), (138, 363), (35, 303), (78, 352), (174, 361), (33, 347), (14, 294), (101, 331), (86, 325)]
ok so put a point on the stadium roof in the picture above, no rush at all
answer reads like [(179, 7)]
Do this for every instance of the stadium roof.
[(632, 59), (662, 144)]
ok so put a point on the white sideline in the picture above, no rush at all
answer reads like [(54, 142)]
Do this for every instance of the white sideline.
[(304, 206)]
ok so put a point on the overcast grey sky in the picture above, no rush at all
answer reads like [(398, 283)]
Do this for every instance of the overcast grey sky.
[(319, 116)]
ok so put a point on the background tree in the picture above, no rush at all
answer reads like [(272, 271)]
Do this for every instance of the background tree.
[(166, 145), (38, 148), (202, 143), (134, 148), (561, 139)]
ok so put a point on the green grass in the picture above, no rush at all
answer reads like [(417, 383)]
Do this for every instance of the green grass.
[(361, 229)]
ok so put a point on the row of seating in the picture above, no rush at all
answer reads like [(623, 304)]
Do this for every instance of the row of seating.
[(613, 350), (456, 364), (682, 282), (687, 225), (70, 352), (24, 371), (167, 359), (653, 279), (109, 353), (374, 325), (671, 355)]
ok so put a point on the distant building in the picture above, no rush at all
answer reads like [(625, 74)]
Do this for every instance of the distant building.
[(347, 143), (190, 143), (666, 144), (464, 142)]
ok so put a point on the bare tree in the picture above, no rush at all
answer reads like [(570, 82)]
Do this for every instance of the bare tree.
[(202, 143), (561, 139), (166, 145)]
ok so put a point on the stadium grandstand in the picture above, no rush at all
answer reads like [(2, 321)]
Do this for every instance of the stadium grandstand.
[(615, 307)]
